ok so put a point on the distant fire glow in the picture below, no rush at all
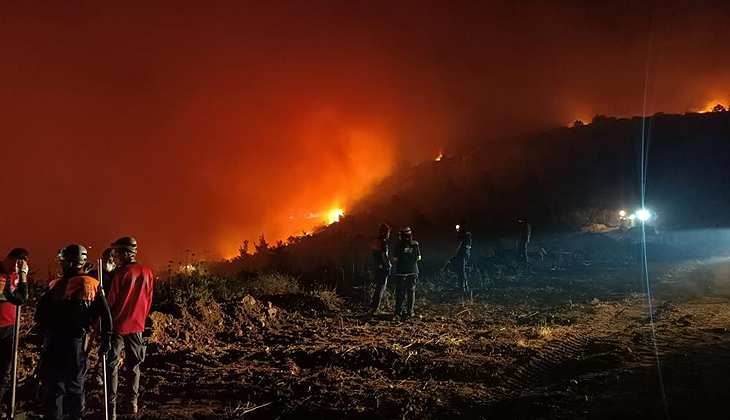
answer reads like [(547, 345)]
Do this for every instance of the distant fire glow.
[(334, 216), (439, 157), (714, 106)]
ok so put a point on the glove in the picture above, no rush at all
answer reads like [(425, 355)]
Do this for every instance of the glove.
[(22, 267), (88, 267), (106, 344)]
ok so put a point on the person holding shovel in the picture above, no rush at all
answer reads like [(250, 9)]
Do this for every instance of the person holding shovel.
[(66, 313), (14, 284)]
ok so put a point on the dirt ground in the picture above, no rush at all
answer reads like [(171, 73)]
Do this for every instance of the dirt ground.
[(552, 343)]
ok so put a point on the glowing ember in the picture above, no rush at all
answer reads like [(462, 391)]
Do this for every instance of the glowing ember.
[(439, 157), (334, 215)]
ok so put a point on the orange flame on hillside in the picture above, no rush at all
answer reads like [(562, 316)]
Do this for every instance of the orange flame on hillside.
[(717, 105), (334, 215)]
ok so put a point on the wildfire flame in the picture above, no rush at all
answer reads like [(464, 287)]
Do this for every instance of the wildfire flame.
[(710, 106), (334, 215), (439, 157)]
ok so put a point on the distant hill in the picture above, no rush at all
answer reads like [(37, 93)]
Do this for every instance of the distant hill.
[(546, 177)]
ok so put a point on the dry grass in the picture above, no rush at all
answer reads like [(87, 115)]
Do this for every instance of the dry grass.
[(448, 342), (271, 284), (329, 297), (545, 332)]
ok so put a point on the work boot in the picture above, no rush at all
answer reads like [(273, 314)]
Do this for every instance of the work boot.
[(133, 407)]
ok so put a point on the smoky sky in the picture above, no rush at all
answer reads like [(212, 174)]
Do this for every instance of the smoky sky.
[(197, 124)]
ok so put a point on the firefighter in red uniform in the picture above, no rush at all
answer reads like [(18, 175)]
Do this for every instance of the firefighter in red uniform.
[(14, 283), (66, 313), (130, 299)]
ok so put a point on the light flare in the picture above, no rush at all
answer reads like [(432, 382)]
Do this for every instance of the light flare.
[(643, 215)]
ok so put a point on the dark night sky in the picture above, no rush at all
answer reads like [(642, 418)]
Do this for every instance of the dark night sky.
[(194, 125)]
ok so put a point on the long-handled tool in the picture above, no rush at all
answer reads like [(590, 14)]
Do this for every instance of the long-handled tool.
[(16, 343), (100, 274)]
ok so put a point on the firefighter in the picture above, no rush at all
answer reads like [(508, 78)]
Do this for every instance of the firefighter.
[(130, 299), (66, 313), (14, 283), (107, 270), (524, 231), (406, 256), (463, 252), (382, 264)]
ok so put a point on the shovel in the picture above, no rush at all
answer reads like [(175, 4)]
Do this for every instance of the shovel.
[(18, 415), (100, 274)]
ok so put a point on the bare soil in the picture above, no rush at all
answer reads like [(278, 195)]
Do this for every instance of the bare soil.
[(552, 343)]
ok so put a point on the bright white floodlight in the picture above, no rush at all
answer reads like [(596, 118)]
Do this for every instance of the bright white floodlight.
[(622, 213), (643, 215)]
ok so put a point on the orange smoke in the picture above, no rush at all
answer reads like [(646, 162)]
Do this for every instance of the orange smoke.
[(334, 165), (212, 123)]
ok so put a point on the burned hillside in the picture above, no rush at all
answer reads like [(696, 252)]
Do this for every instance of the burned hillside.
[(561, 180)]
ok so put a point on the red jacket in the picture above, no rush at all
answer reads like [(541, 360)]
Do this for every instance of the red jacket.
[(130, 297), (7, 309)]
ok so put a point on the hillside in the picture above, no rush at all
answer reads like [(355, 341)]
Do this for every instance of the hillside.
[(557, 179)]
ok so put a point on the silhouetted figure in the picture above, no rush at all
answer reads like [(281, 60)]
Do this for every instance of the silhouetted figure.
[(14, 286), (66, 313), (462, 255), (107, 267), (130, 299), (406, 256), (381, 261), (524, 231)]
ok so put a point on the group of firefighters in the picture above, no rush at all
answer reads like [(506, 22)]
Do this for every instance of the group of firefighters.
[(76, 306), (116, 303), (406, 256)]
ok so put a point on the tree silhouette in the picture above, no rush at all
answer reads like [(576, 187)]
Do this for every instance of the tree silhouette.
[(243, 250), (262, 245), (718, 108)]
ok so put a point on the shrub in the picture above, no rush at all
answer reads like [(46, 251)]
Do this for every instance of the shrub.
[(181, 289), (270, 284)]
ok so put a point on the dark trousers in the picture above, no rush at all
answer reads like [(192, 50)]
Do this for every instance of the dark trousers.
[(62, 376), (405, 290), (381, 281), (459, 265), (6, 357), (522, 248), (134, 352)]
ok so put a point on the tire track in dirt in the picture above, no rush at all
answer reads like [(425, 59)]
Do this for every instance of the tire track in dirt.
[(587, 349)]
